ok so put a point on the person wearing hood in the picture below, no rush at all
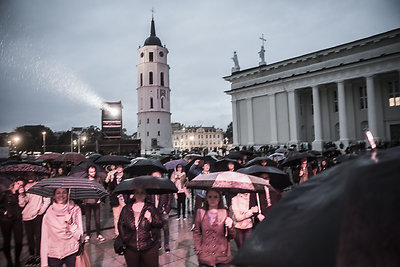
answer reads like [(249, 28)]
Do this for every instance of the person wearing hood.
[(32, 214), (61, 231)]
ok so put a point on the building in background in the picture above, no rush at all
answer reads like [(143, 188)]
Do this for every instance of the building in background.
[(198, 138), (153, 94), (332, 95)]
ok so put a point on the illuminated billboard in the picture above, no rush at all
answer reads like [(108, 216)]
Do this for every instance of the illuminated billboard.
[(111, 120)]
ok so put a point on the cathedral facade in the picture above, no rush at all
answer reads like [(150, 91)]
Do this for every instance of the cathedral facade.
[(332, 95), (153, 94)]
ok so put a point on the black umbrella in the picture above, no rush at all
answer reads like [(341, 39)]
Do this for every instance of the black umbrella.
[(145, 167), (346, 157), (278, 178), (208, 159), (80, 188), (112, 160), (93, 157), (295, 158), (233, 154), (5, 182), (258, 160), (345, 216), (222, 165), (71, 157), (333, 151), (152, 185)]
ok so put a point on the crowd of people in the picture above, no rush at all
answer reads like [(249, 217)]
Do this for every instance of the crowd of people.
[(54, 226)]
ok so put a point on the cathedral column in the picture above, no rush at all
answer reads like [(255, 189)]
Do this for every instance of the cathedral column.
[(250, 126), (343, 131), (318, 142), (273, 124), (293, 125), (371, 99), (235, 124)]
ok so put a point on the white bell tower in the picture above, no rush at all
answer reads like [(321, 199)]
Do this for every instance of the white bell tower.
[(154, 116)]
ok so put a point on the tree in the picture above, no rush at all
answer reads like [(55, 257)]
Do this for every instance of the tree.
[(31, 137), (229, 133)]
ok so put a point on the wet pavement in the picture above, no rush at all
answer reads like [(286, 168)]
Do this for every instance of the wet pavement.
[(102, 254)]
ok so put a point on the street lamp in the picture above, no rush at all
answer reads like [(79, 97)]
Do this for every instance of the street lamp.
[(44, 141)]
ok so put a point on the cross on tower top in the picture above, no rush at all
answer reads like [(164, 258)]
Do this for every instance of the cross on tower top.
[(152, 12), (263, 39)]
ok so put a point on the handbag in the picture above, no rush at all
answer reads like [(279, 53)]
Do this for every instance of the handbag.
[(83, 259), (119, 246), (81, 246)]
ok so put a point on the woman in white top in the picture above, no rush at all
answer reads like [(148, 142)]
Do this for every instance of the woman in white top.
[(242, 217), (61, 231), (178, 177)]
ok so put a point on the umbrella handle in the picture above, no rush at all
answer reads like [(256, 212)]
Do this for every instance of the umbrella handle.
[(268, 196), (69, 192), (258, 203)]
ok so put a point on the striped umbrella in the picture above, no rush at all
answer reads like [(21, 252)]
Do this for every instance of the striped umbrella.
[(72, 157), (23, 168), (80, 188), (229, 181)]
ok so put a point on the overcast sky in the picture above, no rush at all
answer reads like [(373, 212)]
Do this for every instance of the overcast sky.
[(60, 59)]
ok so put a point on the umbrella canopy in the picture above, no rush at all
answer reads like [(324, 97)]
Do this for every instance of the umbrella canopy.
[(80, 188), (258, 160), (279, 156), (229, 182), (145, 167), (331, 151), (281, 150), (278, 178), (153, 185), (295, 158), (5, 182), (190, 157), (112, 160), (346, 157), (171, 165), (23, 169), (233, 154), (212, 154), (80, 170), (345, 216), (49, 156), (94, 156), (222, 165), (72, 157)]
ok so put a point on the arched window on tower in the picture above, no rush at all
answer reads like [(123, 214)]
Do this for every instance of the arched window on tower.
[(162, 102), (151, 77), (151, 56), (141, 79), (162, 78), (151, 102)]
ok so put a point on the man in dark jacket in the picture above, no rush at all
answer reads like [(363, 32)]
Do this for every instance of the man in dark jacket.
[(163, 205)]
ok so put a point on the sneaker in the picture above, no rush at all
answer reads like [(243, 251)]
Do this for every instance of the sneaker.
[(100, 238), (191, 229), (167, 250), (178, 218), (184, 218), (87, 238)]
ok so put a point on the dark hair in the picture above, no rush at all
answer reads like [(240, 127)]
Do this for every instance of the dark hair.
[(54, 193), (220, 203), (176, 167)]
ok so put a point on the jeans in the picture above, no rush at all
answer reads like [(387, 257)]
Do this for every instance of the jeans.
[(96, 210), (165, 229), (15, 227), (146, 258), (181, 204), (69, 261), (33, 229)]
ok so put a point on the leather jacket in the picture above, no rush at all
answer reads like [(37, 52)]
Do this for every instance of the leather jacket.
[(145, 234)]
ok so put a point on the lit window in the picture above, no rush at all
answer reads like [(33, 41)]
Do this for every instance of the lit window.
[(363, 97), (394, 93)]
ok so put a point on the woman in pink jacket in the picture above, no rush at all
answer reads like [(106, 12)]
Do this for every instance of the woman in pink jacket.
[(61, 231), (212, 231)]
